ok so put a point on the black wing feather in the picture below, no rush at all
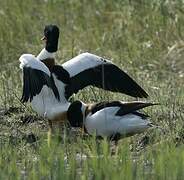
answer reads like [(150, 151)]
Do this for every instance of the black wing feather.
[(33, 82), (105, 76), (125, 107), (25, 86), (61, 74), (132, 107)]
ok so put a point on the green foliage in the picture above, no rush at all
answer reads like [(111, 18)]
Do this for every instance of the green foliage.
[(144, 38)]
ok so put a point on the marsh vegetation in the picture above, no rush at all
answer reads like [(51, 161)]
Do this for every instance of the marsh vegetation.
[(144, 38)]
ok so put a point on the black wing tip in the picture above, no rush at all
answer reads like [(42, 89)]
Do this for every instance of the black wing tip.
[(25, 99), (151, 103), (155, 104), (140, 93), (145, 95), (22, 100), (134, 106), (142, 104)]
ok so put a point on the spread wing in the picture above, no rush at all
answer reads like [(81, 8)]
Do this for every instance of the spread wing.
[(124, 107), (108, 77), (35, 76), (88, 69), (33, 82)]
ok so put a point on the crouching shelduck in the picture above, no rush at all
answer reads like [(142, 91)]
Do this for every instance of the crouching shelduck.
[(113, 120)]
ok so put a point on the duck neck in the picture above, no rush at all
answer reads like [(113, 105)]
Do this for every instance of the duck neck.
[(48, 58), (44, 54)]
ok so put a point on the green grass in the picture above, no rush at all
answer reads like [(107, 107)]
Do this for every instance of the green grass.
[(144, 38)]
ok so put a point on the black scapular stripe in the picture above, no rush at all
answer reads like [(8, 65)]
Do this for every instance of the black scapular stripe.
[(98, 106), (105, 76), (61, 74), (33, 82), (125, 108), (132, 107)]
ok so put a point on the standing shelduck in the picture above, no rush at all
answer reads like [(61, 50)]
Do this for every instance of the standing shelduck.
[(84, 70), (40, 89)]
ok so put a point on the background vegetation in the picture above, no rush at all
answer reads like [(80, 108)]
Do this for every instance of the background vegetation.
[(144, 38)]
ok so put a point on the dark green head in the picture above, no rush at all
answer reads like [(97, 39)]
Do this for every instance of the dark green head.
[(51, 36), (75, 114)]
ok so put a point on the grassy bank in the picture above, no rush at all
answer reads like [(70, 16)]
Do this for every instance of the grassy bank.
[(144, 38)]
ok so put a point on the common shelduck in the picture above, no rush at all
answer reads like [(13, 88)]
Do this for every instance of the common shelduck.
[(109, 119), (40, 89), (84, 70), (48, 86)]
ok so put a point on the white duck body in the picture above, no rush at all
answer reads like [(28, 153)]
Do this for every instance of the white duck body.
[(46, 105), (109, 119), (39, 89), (105, 123)]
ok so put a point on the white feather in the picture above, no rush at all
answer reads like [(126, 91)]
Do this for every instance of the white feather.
[(29, 60), (45, 104), (44, 54), (82, 62), (106, 123)]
